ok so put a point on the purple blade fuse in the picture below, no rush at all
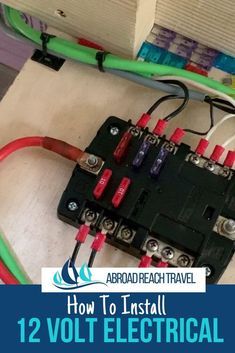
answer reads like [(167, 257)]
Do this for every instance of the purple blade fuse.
[(157, 164), (143, 150)]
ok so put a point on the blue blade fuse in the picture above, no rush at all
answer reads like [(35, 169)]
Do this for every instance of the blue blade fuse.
[(143, 150), (157, 164)]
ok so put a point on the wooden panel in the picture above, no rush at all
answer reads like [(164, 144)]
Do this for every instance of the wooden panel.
[(119, 25)]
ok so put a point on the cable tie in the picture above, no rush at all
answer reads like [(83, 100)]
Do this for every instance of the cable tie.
[(45, 38), (100, 57)]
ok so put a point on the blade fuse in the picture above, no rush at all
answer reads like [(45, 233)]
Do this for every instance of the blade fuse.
[(141, 154), (121, 192), (122, 146), (102, 183), (157, 164)]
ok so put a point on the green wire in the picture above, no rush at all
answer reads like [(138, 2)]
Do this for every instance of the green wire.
[(11, 263), (88, 56)]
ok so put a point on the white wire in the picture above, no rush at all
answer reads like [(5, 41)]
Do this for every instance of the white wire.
[(199, 86), (229, 141), (211, 132)]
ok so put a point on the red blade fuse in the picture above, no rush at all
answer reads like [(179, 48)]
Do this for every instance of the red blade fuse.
[(121, 148), (102, 183), (121, 192)]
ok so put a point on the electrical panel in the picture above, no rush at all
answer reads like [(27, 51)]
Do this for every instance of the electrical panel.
[(155, 197)]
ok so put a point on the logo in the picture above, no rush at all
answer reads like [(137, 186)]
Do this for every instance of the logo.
[(69, 278)]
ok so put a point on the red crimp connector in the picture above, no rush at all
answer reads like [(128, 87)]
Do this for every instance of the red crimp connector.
[(217, 153), (98, 242), (82, 233), (143, 120), (160, 127), (145, 261), (201, 147), (177, 136), (162, 264), (229, 159), (102, 183), (121, 148)]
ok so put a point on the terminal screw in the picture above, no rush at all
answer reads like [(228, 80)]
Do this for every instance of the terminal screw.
[(228, 226), (152, 245), (209, 165), (225, 172), (92, 161), (126, 233), (183, 261), (168, 253), (135, 131), (72, 206), (90, 216), (195, 159), (108, 224)]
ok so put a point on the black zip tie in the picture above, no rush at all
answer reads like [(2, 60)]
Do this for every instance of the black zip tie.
[(45, 38), (100, 57), (43, 57)]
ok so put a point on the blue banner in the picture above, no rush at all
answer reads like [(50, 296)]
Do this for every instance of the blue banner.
[(32, 321)]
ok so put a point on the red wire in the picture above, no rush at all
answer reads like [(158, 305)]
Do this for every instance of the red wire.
[(60, 147), (6, 276), (19, 144)]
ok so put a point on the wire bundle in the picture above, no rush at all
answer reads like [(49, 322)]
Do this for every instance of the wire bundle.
[(88, 55)]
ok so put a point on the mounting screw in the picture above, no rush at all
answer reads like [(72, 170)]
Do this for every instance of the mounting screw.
[(183, 261), (92, 161), (168, 253), (90, 216), (72, 206), (208, 270), (126, 233), (152, 245), (228, 226), (114, 130), (108, 224)]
